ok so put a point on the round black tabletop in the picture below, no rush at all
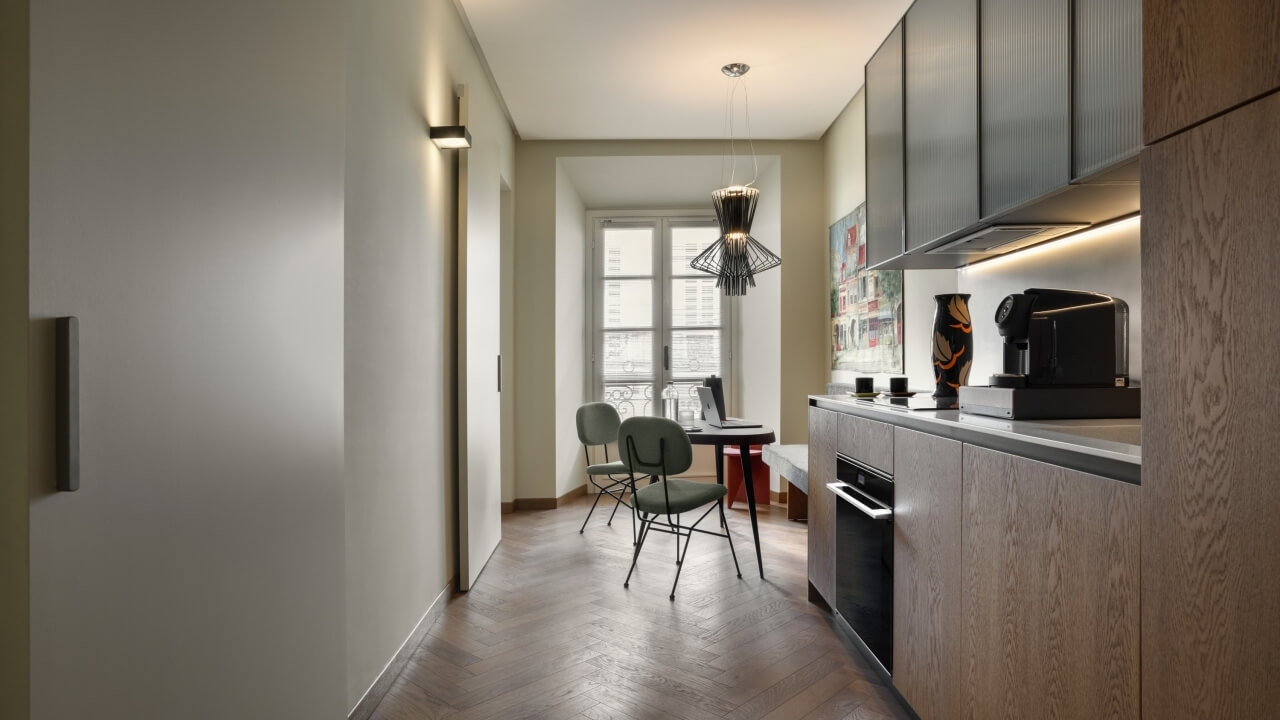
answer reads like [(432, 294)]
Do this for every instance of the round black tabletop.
[(711, 435)]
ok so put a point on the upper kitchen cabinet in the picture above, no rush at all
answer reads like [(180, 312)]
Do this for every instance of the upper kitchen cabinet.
[(1022, 122), (1025, 98), (1107, 91), (941, 119), (885, 220), (1204, 58)]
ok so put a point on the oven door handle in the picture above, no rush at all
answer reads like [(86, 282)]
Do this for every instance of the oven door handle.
[(875, 513)]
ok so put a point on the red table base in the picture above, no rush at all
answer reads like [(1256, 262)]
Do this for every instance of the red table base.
[(733, 475)]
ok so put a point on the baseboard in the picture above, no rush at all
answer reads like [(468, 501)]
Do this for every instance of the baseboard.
[(534, 504), (378, 690), (508, 508), (777, 498), (548, 503), (579, 491)]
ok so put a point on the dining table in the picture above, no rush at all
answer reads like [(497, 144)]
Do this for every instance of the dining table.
[(704, 433)]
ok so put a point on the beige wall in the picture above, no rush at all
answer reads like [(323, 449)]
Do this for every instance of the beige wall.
[(845, 145), (759, 353), (572, 257), (13, 358), (507, 279), (805, 298), (803, 306), (406, 58), (186, 204)]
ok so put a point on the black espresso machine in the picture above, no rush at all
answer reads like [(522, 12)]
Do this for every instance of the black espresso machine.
[(1066, 355)]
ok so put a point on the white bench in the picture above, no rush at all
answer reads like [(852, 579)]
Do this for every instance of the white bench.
[(791, 462)]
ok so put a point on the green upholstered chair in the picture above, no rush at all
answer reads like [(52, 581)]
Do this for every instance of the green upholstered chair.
[(598, 424), (660, 448)]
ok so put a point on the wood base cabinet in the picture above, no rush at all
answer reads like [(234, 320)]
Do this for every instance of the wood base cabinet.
[(822, 508), (1051, 591), (927, 588)]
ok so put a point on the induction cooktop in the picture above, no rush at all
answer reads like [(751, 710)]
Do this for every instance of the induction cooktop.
[(917, 402)]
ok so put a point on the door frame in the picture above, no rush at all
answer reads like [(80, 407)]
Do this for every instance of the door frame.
[(15, 609)]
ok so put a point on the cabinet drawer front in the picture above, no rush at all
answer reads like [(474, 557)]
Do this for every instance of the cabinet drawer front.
[(866, 441)]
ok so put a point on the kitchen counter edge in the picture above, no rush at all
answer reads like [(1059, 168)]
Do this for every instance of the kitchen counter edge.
[(1108, 459)]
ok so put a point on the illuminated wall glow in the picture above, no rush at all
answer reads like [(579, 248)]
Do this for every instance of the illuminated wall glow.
[(1105, 259)]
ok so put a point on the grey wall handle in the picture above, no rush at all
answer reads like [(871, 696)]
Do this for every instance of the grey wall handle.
[(67, 401)]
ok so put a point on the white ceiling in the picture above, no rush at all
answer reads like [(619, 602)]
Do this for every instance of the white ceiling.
[(650, 182), (650, 69)]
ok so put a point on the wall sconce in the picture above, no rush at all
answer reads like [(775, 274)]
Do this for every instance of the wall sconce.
[(450, 137)]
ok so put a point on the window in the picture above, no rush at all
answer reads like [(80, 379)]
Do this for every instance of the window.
[(656, 319)]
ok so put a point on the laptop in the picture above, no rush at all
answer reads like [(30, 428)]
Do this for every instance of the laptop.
[(709, 411)]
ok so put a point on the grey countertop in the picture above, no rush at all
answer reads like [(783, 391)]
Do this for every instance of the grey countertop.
[(1109, 447)]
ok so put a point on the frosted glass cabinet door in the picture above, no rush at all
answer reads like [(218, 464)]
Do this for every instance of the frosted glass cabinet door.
[(942, 119), (886, 222)]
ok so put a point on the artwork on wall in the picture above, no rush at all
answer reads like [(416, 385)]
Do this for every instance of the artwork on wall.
[(866, 305)]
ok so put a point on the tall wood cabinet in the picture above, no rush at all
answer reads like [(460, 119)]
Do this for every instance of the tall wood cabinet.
[(927, 589), (1203, 58), (1211, 460), (1211, 337), (822, 509), (1050, 566)]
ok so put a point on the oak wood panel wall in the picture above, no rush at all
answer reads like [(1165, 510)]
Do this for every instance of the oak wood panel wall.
[(1211, 455), (1051, 582), (927, 586), (822, 508), (1202, 58), (866, 441)]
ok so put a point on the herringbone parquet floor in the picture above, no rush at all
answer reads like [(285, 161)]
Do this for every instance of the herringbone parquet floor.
[(549, 632)]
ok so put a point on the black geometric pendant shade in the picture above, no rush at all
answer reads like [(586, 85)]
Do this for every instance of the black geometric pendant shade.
[(735, 257)]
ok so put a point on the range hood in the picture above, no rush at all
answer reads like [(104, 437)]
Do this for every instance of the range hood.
[(1000, 239)]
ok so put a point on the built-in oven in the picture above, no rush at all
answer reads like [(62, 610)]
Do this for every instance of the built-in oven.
[(864, 555)]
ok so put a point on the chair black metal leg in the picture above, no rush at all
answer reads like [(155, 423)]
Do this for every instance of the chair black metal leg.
[(729, 537), (593, 508), (634, 537), (720, 475), (618, 498), (644, 532), (680, 562), (676, 525)]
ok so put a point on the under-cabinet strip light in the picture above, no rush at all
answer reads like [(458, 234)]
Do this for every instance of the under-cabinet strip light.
[(1061, 244)]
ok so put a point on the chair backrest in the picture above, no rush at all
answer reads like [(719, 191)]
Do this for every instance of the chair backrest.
[(598, 423), (661, 446)]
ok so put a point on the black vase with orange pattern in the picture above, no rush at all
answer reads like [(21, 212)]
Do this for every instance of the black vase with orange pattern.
[(952, 343)]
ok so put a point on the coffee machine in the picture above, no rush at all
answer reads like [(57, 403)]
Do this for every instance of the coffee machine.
[(1066, 355)]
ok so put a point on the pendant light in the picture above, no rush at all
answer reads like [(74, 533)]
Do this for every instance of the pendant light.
[(735, 257)]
